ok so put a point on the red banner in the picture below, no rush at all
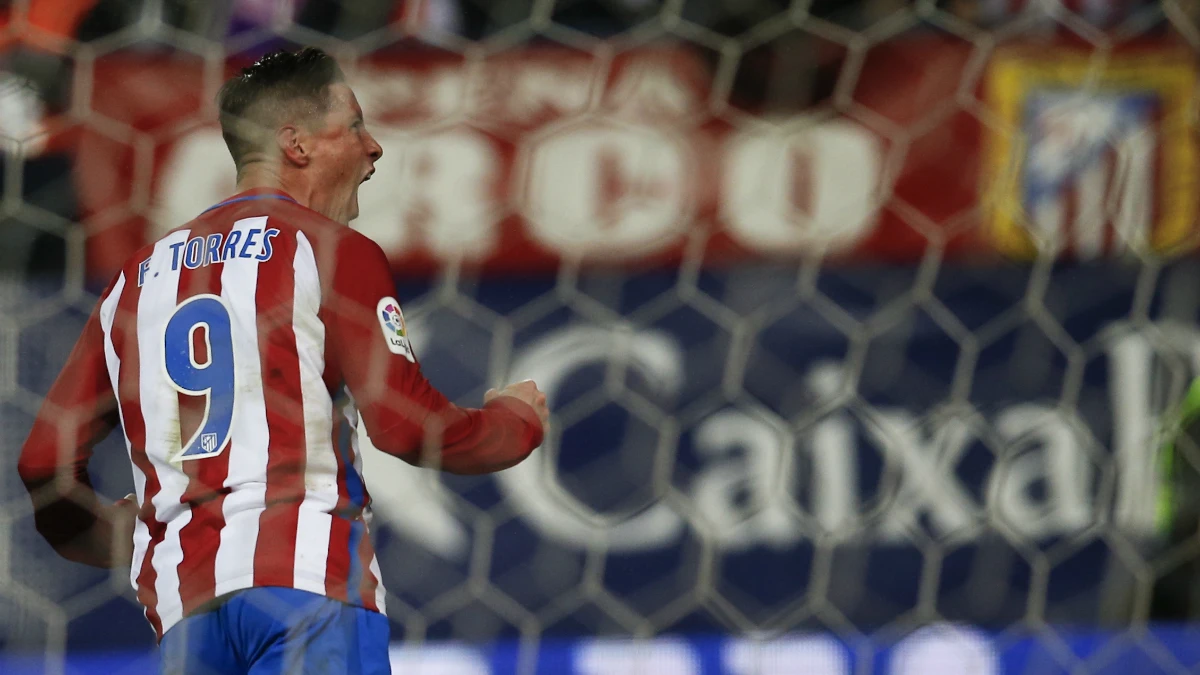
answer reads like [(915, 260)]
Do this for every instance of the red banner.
[(518, 162)]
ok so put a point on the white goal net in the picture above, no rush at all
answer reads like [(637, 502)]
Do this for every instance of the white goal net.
[(860, 321)]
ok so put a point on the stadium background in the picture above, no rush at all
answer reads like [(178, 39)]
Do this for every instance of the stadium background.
[(860, 320)]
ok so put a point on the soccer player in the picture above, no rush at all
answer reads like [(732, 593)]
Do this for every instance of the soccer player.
[(221, 350)]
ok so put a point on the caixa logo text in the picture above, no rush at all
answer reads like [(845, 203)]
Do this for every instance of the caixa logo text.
[(1034, 470)]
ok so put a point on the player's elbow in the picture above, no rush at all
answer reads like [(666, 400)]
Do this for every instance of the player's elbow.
[(60, 513), (42, 469), (32, 474), (44, 491), (64, 523)]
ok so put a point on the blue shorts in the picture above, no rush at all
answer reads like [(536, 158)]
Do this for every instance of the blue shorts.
[(269, 631)]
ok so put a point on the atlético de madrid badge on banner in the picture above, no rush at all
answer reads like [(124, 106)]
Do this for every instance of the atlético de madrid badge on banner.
[(1091, 157), (395, 332)]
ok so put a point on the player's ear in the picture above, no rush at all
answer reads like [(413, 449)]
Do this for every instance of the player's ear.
[(292, 144)]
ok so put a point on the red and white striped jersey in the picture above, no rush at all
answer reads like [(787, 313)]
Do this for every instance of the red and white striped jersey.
[(221, 350)]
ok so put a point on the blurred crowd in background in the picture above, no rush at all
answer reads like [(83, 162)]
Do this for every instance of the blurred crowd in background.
[(38, 40), (87, 20)]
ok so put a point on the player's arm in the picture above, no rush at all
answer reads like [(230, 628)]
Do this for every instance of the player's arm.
[(78, 412), (404, 415)]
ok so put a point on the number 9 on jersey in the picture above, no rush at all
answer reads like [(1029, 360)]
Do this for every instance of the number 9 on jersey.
[(213, 379)]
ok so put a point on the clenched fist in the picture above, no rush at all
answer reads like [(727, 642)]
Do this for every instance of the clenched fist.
[(528, 392)]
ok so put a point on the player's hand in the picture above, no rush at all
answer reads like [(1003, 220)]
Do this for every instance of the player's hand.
[(126, 506), (122, 515), (528, 392)]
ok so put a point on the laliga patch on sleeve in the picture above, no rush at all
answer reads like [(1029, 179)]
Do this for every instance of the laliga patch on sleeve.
[(395, 333)]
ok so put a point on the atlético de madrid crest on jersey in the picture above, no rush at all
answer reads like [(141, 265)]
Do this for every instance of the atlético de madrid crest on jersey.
[(395, 333)]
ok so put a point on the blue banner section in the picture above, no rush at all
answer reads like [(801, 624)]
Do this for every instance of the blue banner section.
[(929, 651), (766, 448)]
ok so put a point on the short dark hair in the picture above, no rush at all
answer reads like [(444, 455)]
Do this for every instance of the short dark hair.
[(281, 86)]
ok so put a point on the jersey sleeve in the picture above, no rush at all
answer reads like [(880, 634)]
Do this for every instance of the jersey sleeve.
[(78, 412), (403, 413)]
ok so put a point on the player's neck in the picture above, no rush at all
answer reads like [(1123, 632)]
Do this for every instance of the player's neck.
[(300, 186), (255, 179)]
